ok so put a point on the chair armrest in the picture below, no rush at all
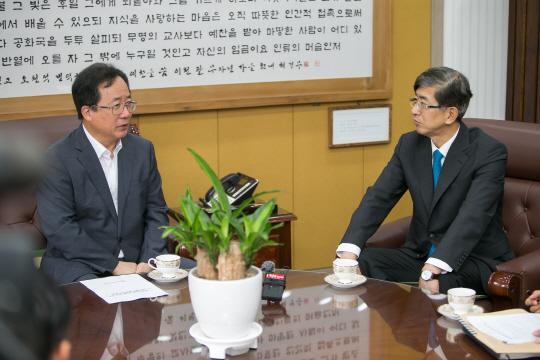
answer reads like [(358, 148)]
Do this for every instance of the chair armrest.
[(390, 235), (509, 283)]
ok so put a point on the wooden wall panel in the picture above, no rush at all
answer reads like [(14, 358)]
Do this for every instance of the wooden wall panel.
[(172, 134), (259, 143), (328, 184), (523, 95)]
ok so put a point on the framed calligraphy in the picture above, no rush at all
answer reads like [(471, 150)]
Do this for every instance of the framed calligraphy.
[(194, 55)]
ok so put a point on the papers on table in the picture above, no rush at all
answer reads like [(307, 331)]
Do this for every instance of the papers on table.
[(115, 289), (510, 328)]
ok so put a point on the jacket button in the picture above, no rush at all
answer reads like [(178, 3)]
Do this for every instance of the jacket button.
[(417, 255), (119, 239), (431, 236)]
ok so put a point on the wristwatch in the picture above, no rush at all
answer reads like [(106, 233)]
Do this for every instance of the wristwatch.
[(428, 275)]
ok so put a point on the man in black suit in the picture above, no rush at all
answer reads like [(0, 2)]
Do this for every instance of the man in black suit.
[(100, 203), (455, 176)]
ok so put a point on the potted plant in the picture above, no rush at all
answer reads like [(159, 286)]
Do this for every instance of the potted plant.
[(225, 289)]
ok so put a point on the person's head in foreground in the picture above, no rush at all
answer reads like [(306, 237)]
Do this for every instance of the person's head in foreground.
[(34, 311)]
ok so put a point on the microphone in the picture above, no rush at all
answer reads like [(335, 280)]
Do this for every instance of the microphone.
[(268, 267), (274, 284)]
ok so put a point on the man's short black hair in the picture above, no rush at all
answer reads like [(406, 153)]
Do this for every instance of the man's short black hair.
[(85, 88), (452, 88)]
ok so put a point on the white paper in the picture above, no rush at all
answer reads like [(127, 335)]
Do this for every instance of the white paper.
[(510, 328), (122, 288)]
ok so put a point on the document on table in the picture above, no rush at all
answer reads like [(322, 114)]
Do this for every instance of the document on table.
[(122, 288), (510, 328)]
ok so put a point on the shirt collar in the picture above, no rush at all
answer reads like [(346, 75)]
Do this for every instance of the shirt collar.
[(446, 147), (99, 148)]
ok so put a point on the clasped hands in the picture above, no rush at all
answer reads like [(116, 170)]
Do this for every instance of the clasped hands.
[(125, 267)]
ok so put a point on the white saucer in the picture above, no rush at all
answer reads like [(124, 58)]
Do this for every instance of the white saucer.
[(158, 276), (356, 280), (219, 347), (447, 311)]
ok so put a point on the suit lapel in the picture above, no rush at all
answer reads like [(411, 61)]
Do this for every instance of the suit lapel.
[(88, 159), (453, 163), (425, 173), (125, 169)]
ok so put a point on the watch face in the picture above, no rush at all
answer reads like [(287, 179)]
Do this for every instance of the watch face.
[(426, 275)]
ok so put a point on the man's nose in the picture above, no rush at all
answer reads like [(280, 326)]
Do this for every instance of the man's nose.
[(124, 112), (415, 110)]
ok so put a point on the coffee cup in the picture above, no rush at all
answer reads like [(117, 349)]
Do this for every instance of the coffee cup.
[(167, 265), (461, 300), (345, 269)]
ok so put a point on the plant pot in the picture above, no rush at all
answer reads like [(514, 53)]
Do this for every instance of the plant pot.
[(225, 309)]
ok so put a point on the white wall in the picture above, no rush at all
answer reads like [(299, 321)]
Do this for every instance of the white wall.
[(476, 44)]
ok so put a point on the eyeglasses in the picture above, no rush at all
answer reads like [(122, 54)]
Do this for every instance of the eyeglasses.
[(118, 108), (422, 106)]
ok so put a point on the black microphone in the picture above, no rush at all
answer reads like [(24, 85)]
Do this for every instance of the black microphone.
[(274, 284)]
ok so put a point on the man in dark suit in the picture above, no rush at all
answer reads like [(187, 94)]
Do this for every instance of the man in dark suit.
[(455, 176), (100, 203)]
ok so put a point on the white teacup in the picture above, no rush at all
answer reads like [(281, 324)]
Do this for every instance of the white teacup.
[(167, 265), (461, 300), (345, 269)]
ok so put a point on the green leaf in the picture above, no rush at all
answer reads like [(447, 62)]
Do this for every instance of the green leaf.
[(216, 183)]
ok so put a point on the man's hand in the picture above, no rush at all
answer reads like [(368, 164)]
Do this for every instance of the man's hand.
[(432, 285), (537, 333), (534, 302), (350, 256), (143, 268), (124, 268)]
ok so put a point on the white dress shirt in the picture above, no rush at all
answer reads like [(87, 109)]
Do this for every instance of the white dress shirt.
[(435, 262), (110, 168)]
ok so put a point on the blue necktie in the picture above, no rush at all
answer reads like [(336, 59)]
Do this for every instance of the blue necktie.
[(437, 156)]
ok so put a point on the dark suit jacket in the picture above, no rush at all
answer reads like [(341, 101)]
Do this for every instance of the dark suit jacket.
[(76, 210), (463, 218)]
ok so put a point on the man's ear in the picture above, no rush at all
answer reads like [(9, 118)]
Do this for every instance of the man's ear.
[(86, 112), (63, 351), (451, 114)]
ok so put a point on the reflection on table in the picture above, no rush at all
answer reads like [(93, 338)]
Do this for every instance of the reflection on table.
[(314, 321)]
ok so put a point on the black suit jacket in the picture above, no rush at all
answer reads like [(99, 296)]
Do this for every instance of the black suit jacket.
[(76, 210), (462, 218)]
